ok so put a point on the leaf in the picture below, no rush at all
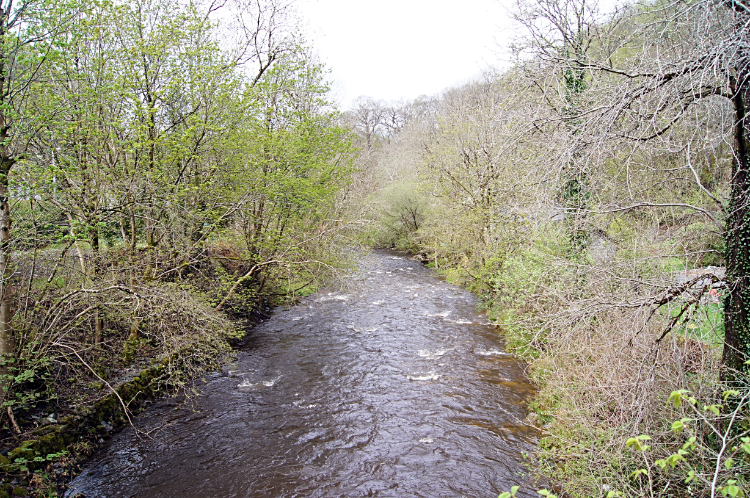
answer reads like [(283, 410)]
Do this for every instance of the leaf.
[(677, 426), (691, 477), (547, 493), (504, 494), (674, 459), (731, 490), (676, 397), (715, 409), (729, 463), (731, 392), (637, 442), (689, 444), (661, 463), (638, 472)]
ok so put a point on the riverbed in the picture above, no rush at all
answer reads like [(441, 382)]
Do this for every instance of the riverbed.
[(391, 386)]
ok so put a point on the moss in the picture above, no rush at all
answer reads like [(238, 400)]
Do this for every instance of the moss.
[(19, 491), (25, 451), (56, 438)]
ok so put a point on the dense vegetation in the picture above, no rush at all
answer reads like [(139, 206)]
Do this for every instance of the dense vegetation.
[(596, 195), (168, 171)]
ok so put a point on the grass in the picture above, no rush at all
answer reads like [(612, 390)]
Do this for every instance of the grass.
[(703, 323)]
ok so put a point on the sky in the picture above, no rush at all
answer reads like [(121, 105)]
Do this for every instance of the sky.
[(398, 50)]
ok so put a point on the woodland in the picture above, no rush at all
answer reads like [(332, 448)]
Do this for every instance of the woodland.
[(170, 171)]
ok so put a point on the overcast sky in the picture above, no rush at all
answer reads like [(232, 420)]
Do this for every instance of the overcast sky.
[(402, 49)]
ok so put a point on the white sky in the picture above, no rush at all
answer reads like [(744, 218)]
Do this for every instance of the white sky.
[(402, 49)]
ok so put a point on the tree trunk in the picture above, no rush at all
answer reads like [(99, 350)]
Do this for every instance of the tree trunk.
[(7, 341), (737, 298)]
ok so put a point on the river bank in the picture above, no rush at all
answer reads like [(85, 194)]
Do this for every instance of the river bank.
[(105, 349), (49, 449), (392, 380)]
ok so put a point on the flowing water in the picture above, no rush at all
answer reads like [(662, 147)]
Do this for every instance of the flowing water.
[(394, 387)]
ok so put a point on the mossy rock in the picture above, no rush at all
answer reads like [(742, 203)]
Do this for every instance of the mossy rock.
[(56, 438), (26, 451)]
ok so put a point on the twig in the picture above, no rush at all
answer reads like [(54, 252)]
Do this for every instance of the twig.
[(13, 420), (242, 279), (114, 391)]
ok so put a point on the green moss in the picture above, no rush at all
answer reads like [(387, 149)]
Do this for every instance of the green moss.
[(19, 491), (54, 439)]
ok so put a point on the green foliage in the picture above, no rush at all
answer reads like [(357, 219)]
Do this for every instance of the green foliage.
[(21, 464), (160, 178), (402, 215)]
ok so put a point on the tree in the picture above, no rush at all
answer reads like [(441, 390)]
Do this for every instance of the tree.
[(367, 118), (666, 76), (472, 156), (563, 33), (290, 159), (26, 29)]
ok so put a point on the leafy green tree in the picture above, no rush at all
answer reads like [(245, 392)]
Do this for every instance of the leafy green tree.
[(26, 32), (293, 159)]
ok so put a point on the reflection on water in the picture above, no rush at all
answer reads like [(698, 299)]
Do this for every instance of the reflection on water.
[(395, 387)]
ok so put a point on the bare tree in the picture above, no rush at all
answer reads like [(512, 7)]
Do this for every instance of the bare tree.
[(367, 118), (661, 78)]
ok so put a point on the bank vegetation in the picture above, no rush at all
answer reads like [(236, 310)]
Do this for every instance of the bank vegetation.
[(595, 194), (168, 172)]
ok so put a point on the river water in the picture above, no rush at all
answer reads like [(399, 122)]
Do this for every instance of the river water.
[(393, 387)]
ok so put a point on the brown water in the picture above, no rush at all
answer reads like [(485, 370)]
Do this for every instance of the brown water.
[(393, 387)]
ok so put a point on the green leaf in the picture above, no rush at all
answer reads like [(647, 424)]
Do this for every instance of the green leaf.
[(689, 444), (676, 397), (674, 459), (715, 409), (547, 493), (729, 463), (661, 463), (512, 494), (731, 392), (731, 490), (691, 477), (639, 472), (637, 442)]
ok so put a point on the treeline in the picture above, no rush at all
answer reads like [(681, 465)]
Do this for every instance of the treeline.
[(596, 195), (160, 161)]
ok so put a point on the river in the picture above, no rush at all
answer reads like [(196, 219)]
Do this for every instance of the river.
[(394, 386)]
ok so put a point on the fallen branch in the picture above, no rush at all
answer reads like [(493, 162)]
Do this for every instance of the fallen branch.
[(242, 279), (114, 391)]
